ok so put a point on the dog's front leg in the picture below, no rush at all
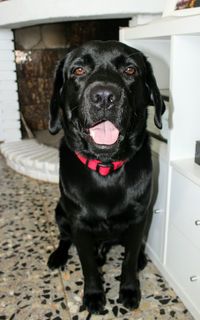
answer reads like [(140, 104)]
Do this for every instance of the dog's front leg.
[(94, 297), (130, 294)]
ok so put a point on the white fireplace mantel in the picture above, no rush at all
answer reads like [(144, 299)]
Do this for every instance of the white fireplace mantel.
[(20, 13)]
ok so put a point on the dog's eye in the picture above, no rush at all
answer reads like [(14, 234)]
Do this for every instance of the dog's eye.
[(79, 71), (130, 71)]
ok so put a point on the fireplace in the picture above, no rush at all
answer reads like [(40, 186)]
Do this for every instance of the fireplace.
[(26, 83)]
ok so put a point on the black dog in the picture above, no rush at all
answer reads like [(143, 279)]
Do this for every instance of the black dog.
[(100, 99)]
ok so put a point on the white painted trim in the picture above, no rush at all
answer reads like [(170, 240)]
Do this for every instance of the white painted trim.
[(18, 13)]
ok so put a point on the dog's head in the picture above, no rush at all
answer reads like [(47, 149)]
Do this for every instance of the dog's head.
[(100, 98)]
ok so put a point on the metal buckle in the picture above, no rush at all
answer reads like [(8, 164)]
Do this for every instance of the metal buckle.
[(105, 165)]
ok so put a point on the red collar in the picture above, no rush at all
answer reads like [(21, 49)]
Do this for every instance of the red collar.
[(102, 168)]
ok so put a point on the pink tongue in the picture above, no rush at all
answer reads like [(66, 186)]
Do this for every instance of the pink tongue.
[(104, 133)]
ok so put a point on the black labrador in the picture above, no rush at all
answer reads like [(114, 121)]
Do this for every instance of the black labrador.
[(100, 99)]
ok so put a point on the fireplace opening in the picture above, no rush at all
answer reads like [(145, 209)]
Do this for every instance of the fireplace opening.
[(37, 51)]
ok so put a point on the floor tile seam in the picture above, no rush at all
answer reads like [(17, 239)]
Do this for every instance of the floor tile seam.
[(65, 294)]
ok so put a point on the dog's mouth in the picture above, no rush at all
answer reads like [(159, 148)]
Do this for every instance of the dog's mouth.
[(104, 133)]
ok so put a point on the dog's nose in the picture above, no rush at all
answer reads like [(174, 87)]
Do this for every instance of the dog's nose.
[(103, 96)]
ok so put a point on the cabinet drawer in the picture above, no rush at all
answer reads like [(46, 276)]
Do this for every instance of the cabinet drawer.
[(183, 264), (185, 208)]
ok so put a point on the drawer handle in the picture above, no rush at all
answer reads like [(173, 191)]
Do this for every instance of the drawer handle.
[(156, 211), (194, 278), (197, 222)]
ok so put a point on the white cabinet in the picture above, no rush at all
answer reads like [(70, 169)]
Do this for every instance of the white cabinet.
[(183, 241), (173, 47), (183, 266), (185, 209)]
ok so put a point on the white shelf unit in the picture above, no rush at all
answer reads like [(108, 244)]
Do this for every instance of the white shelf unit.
[(173, 47)]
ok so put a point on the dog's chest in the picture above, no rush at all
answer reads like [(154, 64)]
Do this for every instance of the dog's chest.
[(108, 211)]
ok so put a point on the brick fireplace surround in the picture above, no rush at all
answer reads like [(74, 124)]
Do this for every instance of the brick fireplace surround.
[(27, 156)]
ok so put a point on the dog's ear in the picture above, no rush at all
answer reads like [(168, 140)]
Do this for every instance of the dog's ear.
[(55, 103), (155, 96)]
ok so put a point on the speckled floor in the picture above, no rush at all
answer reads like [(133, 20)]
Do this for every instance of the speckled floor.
[(28, 290)]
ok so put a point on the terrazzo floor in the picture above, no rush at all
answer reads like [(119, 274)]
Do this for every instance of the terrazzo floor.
[(28, 290)]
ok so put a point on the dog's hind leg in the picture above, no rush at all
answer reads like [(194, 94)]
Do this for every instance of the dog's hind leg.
[(59, 257), (101, 252)]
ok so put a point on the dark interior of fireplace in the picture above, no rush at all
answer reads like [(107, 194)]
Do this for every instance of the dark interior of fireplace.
[(37, 51)]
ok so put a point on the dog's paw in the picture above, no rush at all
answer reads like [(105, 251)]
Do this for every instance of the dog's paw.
[(130, 298), (57, 260), (94, 302)]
